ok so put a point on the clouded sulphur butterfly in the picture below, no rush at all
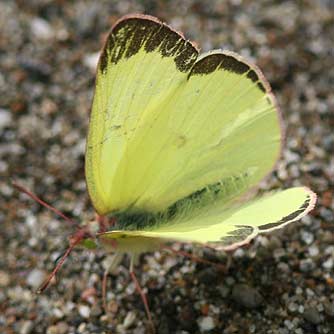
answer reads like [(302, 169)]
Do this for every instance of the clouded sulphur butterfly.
[(177, 140)]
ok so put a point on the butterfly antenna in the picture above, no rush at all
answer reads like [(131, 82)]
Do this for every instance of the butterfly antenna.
[(38, 200), (141, 292), (75, 241), (195, 258)]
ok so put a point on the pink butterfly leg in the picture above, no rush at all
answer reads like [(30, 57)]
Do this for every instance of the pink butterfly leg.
[(141, 292)]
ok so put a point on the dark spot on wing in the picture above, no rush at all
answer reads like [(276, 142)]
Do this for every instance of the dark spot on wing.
[(216, 61), (240, 234), (186, 58), (252, 75), (153, 43), (289, 217), (230, 63), (171, 44), (207, 64), (260, 85), (138, 36), (129, 36), (109, 45)]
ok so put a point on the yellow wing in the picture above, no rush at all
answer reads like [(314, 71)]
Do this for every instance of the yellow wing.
[(220, 225), (167, 123)]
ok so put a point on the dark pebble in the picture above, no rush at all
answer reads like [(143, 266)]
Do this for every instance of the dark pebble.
[(208, 276), (187, 318), (312, 315), (329, 308), (246, 296)]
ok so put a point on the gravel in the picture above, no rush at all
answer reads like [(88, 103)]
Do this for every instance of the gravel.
[(281, 283)]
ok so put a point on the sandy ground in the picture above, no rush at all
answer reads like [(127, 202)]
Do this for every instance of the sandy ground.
[(282, 283)]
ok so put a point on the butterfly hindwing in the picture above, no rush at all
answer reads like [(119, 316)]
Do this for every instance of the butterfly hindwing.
[(227, 227)]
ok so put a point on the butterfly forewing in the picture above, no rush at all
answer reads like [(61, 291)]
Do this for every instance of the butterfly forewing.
[(166, 123)]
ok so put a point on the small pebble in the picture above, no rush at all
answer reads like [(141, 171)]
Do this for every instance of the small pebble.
[(84, 311), (27, 327), (58, 313), (129, 320), (41, 28), (82, 327), (289, 324), (293, 307), (307, 237), (5, 118), (91, 60), (313, 250), (306, 265), (208, 275), (312, 315), (246, 296), (329, 308), (4, 278), (328, 264), (206, 324), (52, 330), (35, 278), (62, 327)]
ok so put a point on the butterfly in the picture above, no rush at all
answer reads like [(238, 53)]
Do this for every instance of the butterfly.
[(177, 143)]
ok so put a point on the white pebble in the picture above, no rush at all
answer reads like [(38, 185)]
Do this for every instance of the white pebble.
[(239, 253), (91, 60), (206, 324), (129, 320), (313, 251), (307, 237), (289, 324), (84, 311), (41, 29), (58, 313), (26, 327), (5, 118), (328, 264), (35, 278), (329, 250)]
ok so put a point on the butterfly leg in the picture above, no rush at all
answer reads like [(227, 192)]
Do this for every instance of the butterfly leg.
[(77, 238), (141, 292)]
